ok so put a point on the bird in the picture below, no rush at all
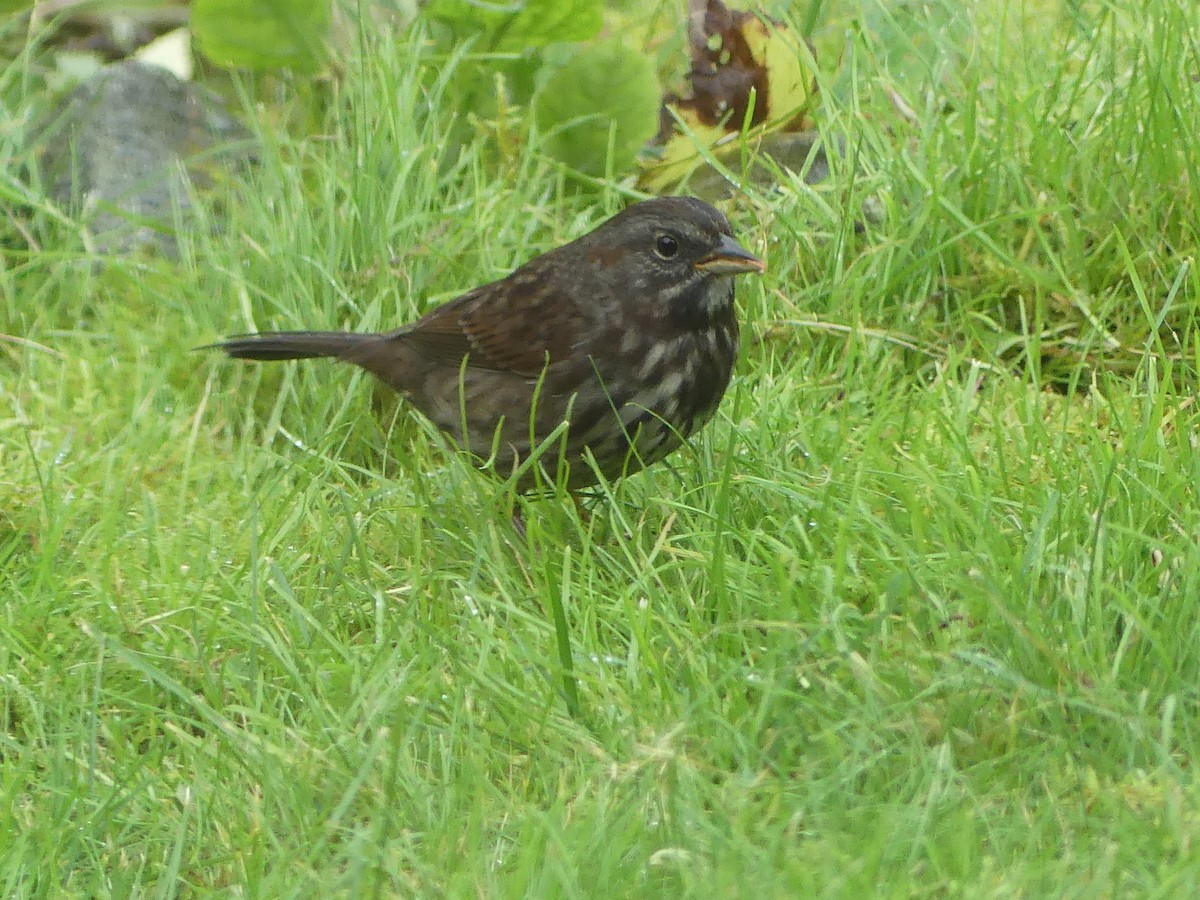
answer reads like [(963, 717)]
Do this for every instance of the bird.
[(591, 361)]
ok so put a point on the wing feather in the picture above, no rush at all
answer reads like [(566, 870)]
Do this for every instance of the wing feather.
[(514, 325)]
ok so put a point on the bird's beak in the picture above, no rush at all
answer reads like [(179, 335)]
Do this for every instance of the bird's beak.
[(730, 258)]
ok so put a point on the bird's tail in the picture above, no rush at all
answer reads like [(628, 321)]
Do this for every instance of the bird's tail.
[(275, 345)]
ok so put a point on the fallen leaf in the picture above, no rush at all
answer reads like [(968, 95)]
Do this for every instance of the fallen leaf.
[(747, 72)]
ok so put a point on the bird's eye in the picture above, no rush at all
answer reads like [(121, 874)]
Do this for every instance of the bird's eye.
[(666, 246)]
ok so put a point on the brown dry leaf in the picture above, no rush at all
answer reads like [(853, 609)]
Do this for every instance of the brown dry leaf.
[(743, 66)]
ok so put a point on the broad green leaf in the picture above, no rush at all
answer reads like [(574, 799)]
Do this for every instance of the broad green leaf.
[(521, 25), (262, 34), (602, 90)]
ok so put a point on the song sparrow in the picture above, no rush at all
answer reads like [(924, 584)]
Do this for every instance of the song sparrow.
[(628, 335)]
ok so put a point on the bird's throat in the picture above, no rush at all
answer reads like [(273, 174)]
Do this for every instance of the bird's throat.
[(702, 304)]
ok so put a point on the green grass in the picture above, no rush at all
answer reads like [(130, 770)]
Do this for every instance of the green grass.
[(916, 616)]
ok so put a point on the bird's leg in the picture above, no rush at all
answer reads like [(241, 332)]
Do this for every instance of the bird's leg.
[(518, 522)]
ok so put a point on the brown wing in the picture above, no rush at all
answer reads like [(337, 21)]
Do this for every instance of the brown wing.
[(513, 325)]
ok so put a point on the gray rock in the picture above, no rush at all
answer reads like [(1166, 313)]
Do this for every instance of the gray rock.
[(117, 151)]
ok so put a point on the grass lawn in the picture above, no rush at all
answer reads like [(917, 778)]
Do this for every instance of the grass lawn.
[(917, 615)]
